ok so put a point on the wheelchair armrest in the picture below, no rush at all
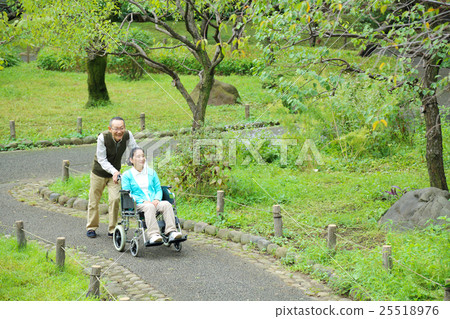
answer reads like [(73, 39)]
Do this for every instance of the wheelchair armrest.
[(124, 191)]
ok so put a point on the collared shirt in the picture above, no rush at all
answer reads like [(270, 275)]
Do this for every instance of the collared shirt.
[(101, 152), (142, 179)]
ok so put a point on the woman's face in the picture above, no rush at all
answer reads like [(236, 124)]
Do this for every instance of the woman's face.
[(138, 159)]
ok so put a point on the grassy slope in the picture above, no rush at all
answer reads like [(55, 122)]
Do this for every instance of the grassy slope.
[(46, 104)]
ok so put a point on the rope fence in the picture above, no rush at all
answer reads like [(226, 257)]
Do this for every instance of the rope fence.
[(61, 251), (332, 235), (310, 231), (79, 123)]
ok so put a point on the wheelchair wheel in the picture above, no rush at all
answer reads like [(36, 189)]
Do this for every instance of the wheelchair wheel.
[(135, 247), (119, 238), (177, 246)]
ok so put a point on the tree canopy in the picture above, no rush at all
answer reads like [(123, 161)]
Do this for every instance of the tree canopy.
[(407, 31)]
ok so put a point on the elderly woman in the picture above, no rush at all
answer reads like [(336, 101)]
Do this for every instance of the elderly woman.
[(145, 188)]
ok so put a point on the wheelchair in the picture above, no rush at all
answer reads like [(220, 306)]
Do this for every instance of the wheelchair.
[(140, 240)]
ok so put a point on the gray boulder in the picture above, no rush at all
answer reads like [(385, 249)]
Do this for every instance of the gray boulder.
[(223, 233), (262, 244), (200, 227), (416, 208), (281, 252), (12, 145), (70, 202), (63, 141), (62, 200), (80, 204), (89, 140), (76, 141), (189, 225), (44, 143), (245, 238), (221, 94), (211, 230), (235, 236), (54, 197)]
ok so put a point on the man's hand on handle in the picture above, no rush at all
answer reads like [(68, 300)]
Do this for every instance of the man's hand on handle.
[(116, 177)]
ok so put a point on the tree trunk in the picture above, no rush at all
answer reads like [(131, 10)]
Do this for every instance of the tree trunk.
[(237, 31), (96, 69), (434, 150), (199, 111)]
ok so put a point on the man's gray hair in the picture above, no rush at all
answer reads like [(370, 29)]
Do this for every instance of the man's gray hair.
[(118, 118)]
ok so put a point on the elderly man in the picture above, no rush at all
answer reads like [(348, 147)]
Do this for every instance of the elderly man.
[(111, 145)]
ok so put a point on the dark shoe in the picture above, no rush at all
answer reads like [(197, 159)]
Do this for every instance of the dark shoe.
[(91, 233), (110, 234)]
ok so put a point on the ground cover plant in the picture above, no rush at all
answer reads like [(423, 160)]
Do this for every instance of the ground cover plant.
[(28, 274)]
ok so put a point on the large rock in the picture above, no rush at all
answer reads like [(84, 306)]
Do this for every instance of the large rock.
[(80, 204), (221, 94), (417, 207), (200, 227)]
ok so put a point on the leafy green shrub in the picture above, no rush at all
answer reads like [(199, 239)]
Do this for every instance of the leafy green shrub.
[(9, 57), (200, 173), (57, 60), (184, 63)]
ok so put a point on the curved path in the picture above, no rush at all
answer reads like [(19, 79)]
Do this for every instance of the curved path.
[(198, 272)]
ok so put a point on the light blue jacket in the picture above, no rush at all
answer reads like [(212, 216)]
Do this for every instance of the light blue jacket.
[(154, 186)]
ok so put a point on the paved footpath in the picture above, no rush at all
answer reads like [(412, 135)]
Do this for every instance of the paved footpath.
[(207, 268)]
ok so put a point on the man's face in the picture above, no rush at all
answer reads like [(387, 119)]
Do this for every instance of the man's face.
[(117, 129)]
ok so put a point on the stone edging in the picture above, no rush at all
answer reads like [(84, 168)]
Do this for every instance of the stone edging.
[(118, 283), (262, 244), (25, 143)]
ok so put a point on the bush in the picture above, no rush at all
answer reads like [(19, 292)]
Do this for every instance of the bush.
[(184, 63), (9, 57), (56, 60), (202, 174)]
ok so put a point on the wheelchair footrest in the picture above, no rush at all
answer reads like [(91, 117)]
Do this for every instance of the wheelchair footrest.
[(179, 240), (148, 244)]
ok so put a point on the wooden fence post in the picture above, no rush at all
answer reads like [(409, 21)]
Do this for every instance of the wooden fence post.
[(387, 260), (277, 220), (220, 203), (447, 290), (331, 236), (79, 125), (142, 117), (60, 252), (247, 111), (12, 129), (65, 170), (94, 284), (21, 239)]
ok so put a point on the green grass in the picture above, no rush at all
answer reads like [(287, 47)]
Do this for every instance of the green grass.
[(46, 104), (352, 197), (348, 190), (27, 275)]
